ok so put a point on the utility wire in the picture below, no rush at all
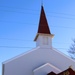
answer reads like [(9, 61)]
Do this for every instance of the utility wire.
[(18, 8), (36, 24), (73, 18), (37, 10), (23, 40), (49, 13), (27, 47), (66, 14), (13, 47), (21, 12), (15, 39), (62, 43)]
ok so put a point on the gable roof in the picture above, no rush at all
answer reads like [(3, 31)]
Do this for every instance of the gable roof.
[(51, 73), (43, 24), (27, 62), (45, 69), (68, 71)]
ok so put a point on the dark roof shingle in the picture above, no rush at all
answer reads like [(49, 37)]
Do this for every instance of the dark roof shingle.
[(43, 25)]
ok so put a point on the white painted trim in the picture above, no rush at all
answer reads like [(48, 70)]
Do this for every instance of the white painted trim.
[(20, 55), (50, 35), (63, 54), (34, 50), (46, 65)]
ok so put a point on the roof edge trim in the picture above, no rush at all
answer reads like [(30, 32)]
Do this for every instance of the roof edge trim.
[(50, 35)]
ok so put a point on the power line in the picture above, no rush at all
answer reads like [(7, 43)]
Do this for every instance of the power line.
[(66, 14), (63, 27), (13, 47), (11, 39), (27, 47), (15, 39), (62, 17), (19, 8), (48, 15), (38, 10), (36, 24), (19, 12), (73, 18)]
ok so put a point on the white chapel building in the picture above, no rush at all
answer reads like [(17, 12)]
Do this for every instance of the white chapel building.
[(42, 60)]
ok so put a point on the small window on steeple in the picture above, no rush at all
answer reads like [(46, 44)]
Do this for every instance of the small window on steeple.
[(45, 40)]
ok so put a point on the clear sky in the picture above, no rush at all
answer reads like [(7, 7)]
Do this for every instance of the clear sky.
[(19, 21)]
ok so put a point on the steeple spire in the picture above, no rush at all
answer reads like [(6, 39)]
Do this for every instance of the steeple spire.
[(44, 36), (43, 25)]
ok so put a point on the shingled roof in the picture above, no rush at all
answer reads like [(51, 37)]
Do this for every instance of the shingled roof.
[(68, 71), (43, 25), (51, 73)]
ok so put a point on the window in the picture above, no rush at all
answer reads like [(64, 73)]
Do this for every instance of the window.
[(45, 40)]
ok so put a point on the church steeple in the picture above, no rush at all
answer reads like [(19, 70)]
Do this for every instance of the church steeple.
[(43, 24), (44, 36)]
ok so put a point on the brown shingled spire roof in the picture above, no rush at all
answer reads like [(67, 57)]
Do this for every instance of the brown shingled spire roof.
[(43, 25), (43, 28)]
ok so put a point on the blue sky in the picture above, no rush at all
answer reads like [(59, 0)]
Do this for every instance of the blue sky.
[(19, 21)]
